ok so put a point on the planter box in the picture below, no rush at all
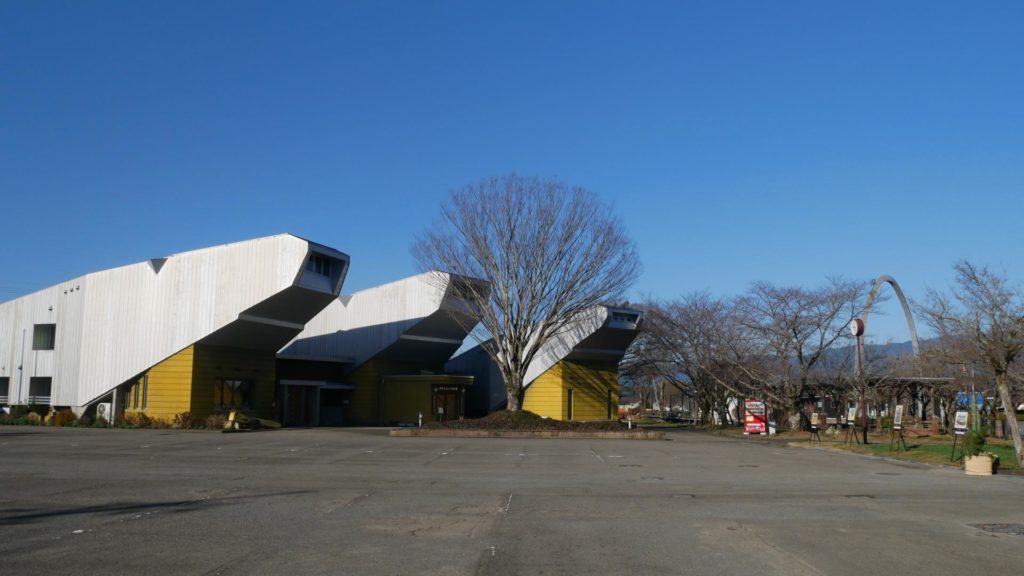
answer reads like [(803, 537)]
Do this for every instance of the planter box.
[(980, 465)]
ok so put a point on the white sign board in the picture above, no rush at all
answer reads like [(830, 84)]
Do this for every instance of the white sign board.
[(897, 419), (960, 423), (851, 415)]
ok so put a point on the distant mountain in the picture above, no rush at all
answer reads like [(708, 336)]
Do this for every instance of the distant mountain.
[(886, 350)]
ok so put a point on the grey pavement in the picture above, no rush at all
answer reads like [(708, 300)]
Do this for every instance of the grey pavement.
[(351, 501)]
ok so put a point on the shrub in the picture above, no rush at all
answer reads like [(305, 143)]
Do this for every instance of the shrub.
[(65, 417), (8, 421), (100, 422), (183, 420), (215, 421), (136, 420), (85, 420), (974, 442), (158, 424), (34, 419), (19, 411)]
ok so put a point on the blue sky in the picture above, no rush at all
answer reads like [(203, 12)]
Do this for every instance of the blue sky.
[(779, 141)]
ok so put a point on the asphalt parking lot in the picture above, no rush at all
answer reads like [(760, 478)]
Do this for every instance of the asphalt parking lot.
[(351, 501)]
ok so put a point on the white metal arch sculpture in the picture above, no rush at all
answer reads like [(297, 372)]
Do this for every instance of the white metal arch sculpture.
[(885, 278)]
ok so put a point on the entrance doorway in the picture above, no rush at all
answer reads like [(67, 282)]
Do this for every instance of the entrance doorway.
[(300, 405), (447, 402), (314, 403), (334, 405)]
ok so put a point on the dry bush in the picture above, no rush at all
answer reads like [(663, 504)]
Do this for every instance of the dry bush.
[(136, 420), (159, 424), (183, 420), (215, 421), (65, 417)]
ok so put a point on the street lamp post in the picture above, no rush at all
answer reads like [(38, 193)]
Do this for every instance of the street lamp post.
[(857, 327)]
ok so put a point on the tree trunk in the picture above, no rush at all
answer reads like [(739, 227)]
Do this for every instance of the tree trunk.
[(514, 401), (1011, 416)]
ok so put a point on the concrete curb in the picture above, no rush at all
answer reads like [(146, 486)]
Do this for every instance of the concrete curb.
[(454, 433)]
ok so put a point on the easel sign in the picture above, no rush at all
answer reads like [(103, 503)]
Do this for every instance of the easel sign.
[(896, 439), (959, 430), (960, 423), (851, 422), (814, 428)]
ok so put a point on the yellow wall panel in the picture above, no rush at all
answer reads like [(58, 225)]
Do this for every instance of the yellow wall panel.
[(590, 382), (365, 406), (404, 401), (168, 390), (215, 363), (185, 381), (546, 395)]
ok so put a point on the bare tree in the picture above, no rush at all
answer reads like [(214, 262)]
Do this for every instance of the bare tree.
[(798, 326), (984, 311), (549, 252), (698, 346)]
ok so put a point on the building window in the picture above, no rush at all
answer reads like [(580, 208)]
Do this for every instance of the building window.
[(138, 393), (568, 403), (44, 336), (609, 404), (232, 394), (319, 265), (5, 390), (625, 317), (39, 390)]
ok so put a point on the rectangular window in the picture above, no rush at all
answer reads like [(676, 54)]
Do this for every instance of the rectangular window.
[(625, 317), (44, 336), (145, 390), (319, 265), (232, 394), (135, 395), (5, 390), (39, 390), (609, 404), (569, 403)]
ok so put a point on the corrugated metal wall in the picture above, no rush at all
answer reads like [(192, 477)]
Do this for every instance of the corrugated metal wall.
[(112, 325), (362, 324)]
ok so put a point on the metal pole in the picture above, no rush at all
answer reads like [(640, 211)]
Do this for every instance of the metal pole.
[(863, 389)]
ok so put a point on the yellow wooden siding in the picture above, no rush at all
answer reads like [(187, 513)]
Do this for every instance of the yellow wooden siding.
[(546, 395), (364, 406), (185, 381), (590, 382), (168, 391), (404, 401), (215, 363)]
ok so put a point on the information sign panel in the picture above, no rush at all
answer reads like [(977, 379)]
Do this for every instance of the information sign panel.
[(814, 420), (897, 419), (960, 423), (851, 416)]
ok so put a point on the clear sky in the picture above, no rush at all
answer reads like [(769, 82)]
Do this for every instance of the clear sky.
[(780, 141)]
